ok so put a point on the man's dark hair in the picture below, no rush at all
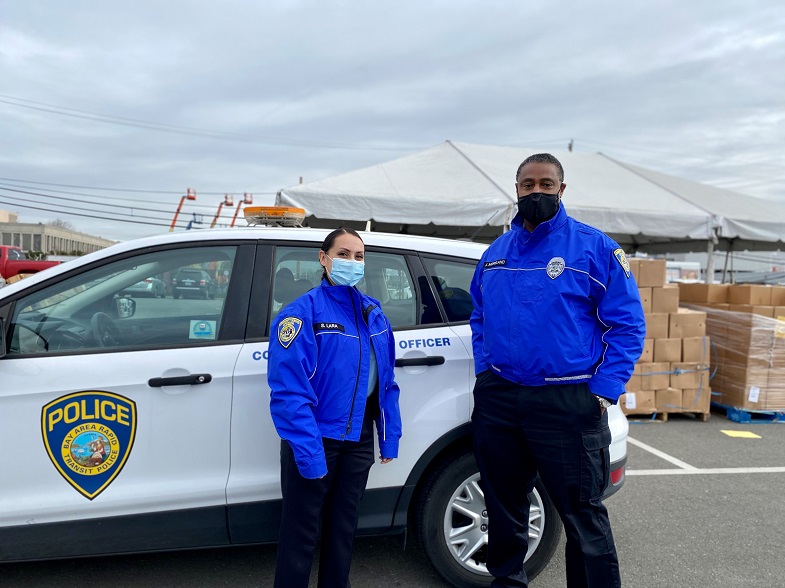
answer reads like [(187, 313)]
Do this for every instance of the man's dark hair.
[(542, 158), (329, 240)]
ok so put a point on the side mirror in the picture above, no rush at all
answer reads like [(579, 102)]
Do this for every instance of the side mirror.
[(124, 307), (2, 338)]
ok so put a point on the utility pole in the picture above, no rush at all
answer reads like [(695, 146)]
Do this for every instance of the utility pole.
[(569, 147)]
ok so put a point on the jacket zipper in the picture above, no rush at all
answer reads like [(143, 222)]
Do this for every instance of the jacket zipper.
[(359, 364)]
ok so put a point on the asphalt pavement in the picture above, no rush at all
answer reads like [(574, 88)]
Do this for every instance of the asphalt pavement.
[(699, 509)]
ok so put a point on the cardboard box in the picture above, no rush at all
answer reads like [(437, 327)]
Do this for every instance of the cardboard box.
[(741, 387), (756, 294), (638, 402), (645, 294), (657, 325), (17, 277), (654, 375), (696, 400), (689, 375), (686, 323), (696, 350), (667, 350), (665, 299), (767, 311), (634, 267), (634, 384), (651, 273), (648, 351), (712, 293), (778, 295), (667, 400)]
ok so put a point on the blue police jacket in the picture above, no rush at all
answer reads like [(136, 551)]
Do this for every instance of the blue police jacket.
[(319, 360), (557, 305)]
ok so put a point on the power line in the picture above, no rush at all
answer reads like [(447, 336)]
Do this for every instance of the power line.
[(119, 220), (4, 188), (178, 192), (191, 131), (15, 188)]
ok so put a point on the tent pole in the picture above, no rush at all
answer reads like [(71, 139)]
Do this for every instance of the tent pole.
[(710, 261)]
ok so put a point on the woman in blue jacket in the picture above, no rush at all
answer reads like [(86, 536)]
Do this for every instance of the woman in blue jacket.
[(331, 361)]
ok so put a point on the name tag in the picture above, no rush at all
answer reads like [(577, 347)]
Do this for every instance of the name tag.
[(328, 327)]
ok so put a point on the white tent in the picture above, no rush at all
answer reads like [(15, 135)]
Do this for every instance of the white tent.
[(467, 190)]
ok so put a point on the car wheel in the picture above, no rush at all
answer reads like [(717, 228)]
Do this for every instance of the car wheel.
[(452, 525)]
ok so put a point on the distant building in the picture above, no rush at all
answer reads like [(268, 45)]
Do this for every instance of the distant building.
[(48, 239)]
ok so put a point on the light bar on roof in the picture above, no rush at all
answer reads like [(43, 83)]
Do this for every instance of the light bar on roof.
[(275, 216)]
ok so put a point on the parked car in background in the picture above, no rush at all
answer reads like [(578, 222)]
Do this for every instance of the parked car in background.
[(145, 423), (193, 283), (150, 287)]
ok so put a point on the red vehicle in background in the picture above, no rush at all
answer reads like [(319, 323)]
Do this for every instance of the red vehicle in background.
[(13, 261)]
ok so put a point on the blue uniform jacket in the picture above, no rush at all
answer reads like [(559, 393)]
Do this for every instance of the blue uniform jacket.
[(557, 306), (319, 359)]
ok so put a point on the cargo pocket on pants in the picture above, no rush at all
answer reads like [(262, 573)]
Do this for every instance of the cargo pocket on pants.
[(595, 464)]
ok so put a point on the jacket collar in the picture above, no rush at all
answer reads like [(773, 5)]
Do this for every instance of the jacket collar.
[(541, 230)]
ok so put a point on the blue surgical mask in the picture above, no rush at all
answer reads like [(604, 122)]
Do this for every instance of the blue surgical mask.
[(346, 272)]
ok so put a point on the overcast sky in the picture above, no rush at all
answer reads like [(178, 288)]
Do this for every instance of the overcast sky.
[(144, 99)]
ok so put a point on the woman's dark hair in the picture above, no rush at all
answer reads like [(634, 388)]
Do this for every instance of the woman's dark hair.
[(329, 241)]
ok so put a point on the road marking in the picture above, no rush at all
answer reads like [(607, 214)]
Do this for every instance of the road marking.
[(658, 453), (741, 434), (663, 472)]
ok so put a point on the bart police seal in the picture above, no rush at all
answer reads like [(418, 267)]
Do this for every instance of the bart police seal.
[(288, 329), (555, 267), (89, 436), (622, 259)]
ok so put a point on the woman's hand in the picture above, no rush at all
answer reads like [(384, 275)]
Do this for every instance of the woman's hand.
[(385, 459)]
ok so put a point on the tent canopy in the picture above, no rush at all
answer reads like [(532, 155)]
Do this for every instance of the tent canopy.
[(468, 191)]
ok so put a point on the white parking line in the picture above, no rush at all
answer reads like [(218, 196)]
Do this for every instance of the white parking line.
[(658, 453), (663, 472)]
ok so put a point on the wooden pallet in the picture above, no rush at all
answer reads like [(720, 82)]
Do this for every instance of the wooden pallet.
[(745, 416), (662, 417)]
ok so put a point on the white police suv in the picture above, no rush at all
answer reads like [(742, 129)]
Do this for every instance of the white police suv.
[(135, 424)]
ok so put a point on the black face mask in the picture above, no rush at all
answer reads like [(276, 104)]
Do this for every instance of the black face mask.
[(538, 207)]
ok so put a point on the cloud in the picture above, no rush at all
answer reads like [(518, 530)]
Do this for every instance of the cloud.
[(255, 95)]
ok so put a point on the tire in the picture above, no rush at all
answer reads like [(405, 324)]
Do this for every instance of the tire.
[(456, 484)]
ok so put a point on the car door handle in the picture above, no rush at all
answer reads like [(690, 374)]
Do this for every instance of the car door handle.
[(413, 361), (180, 380)]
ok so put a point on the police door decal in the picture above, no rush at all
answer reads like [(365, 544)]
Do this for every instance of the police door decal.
[(89, 436)]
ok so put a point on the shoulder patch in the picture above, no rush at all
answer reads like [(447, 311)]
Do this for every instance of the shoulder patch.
[(622, 259), (498, 262), (288, 329)]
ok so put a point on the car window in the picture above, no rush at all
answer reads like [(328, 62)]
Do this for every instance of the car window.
[(387, 278), (171, 297), (452, 280)]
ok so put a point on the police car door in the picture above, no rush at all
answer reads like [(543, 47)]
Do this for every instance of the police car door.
[(432, 363), (118, 396)]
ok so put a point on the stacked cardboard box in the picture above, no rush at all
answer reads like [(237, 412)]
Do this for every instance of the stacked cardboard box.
[(672, 374), (747, 326)]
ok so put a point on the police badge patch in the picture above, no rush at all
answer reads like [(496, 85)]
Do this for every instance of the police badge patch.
[(288, 329), (555, 267), (622, 259), (89, 436)]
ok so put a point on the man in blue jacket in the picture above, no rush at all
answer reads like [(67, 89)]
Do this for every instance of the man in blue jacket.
[(556, 330)]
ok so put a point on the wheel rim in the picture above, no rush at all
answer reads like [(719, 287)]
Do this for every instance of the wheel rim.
[(466, 525)]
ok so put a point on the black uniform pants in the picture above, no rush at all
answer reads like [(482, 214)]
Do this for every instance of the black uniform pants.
[(332, 501), (561, 433)]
